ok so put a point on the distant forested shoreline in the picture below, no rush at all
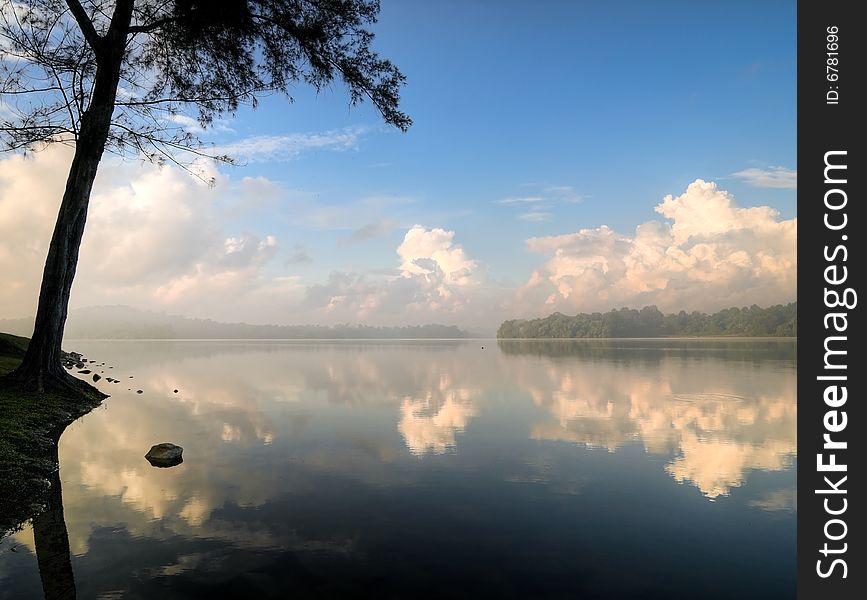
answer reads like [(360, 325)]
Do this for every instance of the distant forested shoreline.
[(753, 321), (124, 322)]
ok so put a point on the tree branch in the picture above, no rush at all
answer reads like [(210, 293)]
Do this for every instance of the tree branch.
[(151, 26), (240, 95), (86, 25)]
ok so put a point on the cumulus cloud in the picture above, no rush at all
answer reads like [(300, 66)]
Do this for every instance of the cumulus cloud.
[(155, 236), (772, 177), (159, 235), (709, 254), (159, 239), (30, 190), (234, 269), (435, 280), (433, 254)]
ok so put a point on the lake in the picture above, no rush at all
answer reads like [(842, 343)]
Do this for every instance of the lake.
[(426, 469)]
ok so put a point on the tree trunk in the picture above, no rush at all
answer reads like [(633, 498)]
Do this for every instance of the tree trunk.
[(41, 368)]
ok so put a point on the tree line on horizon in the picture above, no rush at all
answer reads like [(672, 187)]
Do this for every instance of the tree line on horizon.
[(123, 322), (753, 321), (207, 329)]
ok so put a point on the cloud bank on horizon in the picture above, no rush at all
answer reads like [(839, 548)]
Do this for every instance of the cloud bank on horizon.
[(710, 254), (158, 239)]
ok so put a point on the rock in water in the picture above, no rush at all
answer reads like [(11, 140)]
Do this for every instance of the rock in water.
[(96, 377), (165, 455)]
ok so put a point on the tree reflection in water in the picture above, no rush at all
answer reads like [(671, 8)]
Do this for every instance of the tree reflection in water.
[(52, 543)]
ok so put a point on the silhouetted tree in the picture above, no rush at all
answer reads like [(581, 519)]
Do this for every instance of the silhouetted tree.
[(112, 75)]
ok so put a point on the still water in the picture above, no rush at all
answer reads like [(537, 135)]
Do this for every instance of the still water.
[(428, 469)]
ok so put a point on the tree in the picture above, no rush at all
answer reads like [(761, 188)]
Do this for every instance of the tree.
[(650, 322), (114, 76)]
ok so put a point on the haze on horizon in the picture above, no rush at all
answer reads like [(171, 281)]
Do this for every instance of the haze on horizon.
[(570, 178)]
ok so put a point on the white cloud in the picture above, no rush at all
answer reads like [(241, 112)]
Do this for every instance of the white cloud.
[(535, 216), (711, 254), (772, 177), (286, 147), (435, 281), (155, 238), (158, 235), (564, 193), (159, 239), (30, 190), (433, 254), (539, 207), (193, 126), (521, 200), (220, 275)]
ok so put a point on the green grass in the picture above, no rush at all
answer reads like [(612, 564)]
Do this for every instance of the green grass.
[(30, 423)]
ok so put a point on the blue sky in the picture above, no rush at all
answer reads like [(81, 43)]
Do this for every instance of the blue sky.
[(531, 120), (625, 102)]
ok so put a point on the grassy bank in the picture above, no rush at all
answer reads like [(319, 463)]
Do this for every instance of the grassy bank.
[(30, 425)]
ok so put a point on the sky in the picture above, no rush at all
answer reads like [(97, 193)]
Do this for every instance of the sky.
[(564, 156)]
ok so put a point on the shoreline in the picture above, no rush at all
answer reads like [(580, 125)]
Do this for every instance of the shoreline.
[(30, 426)]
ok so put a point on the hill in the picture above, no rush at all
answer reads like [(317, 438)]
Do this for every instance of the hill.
[(124, 322)]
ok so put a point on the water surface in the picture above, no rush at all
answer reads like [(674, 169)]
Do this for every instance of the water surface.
[(429, 469)]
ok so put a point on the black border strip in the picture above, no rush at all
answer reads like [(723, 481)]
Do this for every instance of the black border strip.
[(830, 119)]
